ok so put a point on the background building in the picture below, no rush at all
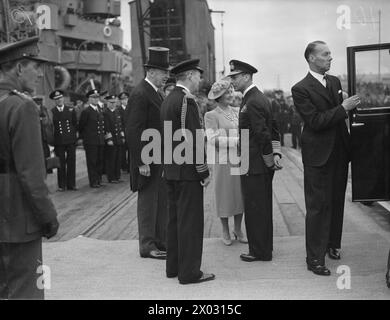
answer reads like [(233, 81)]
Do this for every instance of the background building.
[(81, 38), (184, 26)]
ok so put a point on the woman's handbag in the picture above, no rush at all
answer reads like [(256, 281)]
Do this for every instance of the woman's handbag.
[(52, 162)]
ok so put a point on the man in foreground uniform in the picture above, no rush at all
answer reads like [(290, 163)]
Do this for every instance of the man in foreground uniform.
[(65, 136), (143, 112), (92, 131), (185, 180), (325, 155), (264, 155), (26, 212)]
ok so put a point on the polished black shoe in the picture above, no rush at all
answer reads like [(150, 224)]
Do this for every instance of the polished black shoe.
[(388, 278), (155, 254), (334, 253), (205, 277), (319, 270), (249, 258), (73, 189), (95, 186), (60, 189), (171, 275)]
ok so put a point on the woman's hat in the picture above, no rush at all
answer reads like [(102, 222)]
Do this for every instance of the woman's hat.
[(219, 88), (158, 58)]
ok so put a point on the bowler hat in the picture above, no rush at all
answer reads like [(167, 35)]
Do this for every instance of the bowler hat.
[(237, 66), (24, 49), (219, 88), (192, 64), (93, 93), (56, 94), (158, 58)]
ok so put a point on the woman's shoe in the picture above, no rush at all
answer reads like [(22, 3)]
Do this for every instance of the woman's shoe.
[(240, 237), (226, 240)]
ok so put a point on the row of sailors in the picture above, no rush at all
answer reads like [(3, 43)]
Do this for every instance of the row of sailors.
[(102, 131)]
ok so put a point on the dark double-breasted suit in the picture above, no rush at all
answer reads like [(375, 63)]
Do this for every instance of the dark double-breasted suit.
[(112, 153), (65, 136), (185, 193), (143, 112), (25, 206), (92, 131), (325, 156), (264, 140)]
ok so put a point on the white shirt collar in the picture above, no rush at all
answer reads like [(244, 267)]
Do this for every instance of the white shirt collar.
[(247, 89), (94, 107), (153, 86), (60, 108), (184, 87), (123, 106), (319, 77)]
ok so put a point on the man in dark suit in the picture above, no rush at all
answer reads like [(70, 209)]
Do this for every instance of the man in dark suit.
[(185, 180), (143, 112), (325, 155), (123, 99), (116, 138), (65, 136), (92, 132), (26, 212), (263, 155)]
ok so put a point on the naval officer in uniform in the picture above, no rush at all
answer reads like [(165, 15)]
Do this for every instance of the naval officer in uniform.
[(26, 212), (115, 140), (92, 132), (65, 136), (185, 181), (264, 157), (123, 99)]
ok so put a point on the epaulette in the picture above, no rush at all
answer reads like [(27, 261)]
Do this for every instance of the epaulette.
[(21, 94)]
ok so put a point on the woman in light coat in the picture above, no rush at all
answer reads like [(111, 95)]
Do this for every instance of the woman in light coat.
[(221, 126)]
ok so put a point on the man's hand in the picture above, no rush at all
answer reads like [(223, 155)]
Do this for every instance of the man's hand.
[(277, 162), (144, 170), (50, 229), (351, 103), (205, 182)]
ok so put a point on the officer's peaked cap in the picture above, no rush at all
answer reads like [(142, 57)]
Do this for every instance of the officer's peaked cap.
[(237, 66)]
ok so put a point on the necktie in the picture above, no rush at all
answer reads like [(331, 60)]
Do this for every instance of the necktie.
[(329, 88)]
